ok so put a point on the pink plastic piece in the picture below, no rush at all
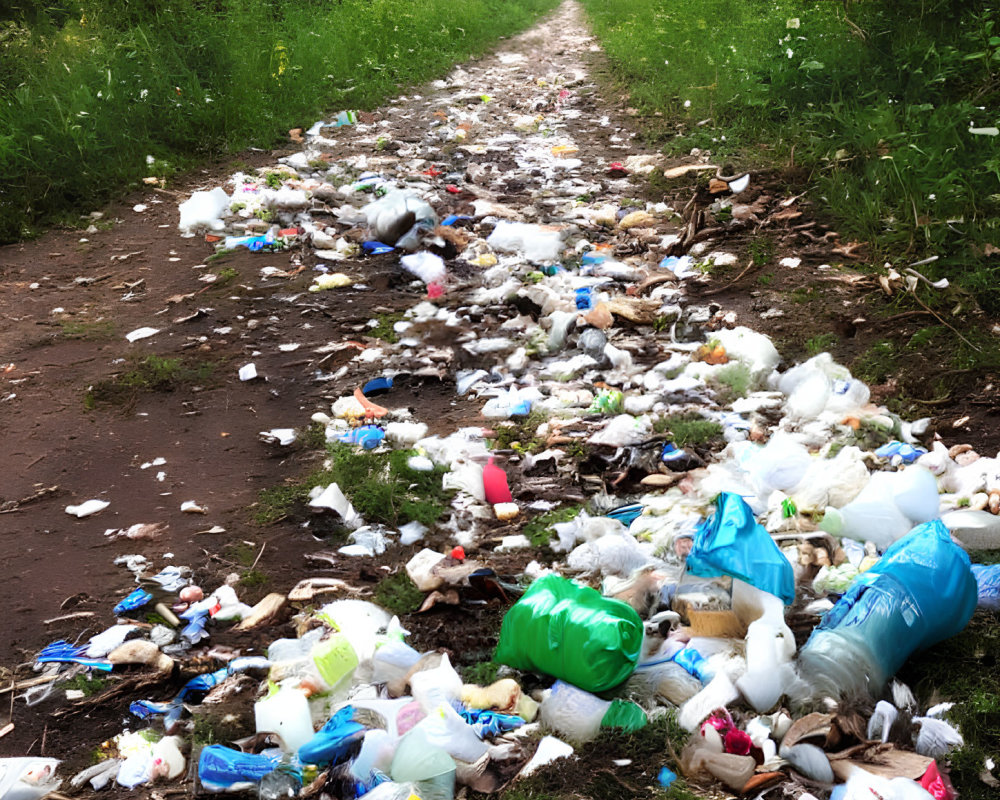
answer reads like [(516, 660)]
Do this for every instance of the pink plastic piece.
[(495, 485)]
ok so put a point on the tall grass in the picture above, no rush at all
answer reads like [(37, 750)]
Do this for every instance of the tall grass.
[(87, 93), (879, 105)]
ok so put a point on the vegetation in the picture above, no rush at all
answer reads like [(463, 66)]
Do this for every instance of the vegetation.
[(539, 530), (90, 88), (380, 485), (688, 429), (888, 108), (148, 374), (398, 594)]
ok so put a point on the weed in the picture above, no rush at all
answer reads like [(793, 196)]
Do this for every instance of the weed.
[(218, 254), (97, 330), (267, 215), (148, 374), (225, 277), (89, 683), (520, 433), (924, 337), (383, 327), (273, 180), (761, 250), (877, 363), (203, 730), (803, 294), (253, 579), (766, 279), (314, 437), (735, 380), (243, 553), (688, 429), (483, 674), (821, 343), (398, 594), (539, 530), (277, 502), (382, 143), (662, 322)]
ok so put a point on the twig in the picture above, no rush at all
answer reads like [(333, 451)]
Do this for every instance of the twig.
[(6, 729), (254, 564), (66, 617), (27, 684), (943, 322), (731, 284)]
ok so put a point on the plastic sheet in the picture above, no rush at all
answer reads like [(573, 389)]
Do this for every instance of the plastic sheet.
[(731, 542), (573, 633)]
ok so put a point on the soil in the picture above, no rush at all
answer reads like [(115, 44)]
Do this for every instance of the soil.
[(68, 298)]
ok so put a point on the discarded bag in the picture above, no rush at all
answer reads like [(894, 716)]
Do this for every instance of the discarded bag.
[(920, 592), (732, 542), (571, 632)]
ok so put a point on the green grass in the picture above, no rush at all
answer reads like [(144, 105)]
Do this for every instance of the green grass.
[(688, 429), (90, 88), (482, 674), (148, 374), (821, 343), (518, 433), (735, 381), (878, 109), (380, 486), (877, 363), (963, 670), (90, 684), (398, 594), (98, 330)]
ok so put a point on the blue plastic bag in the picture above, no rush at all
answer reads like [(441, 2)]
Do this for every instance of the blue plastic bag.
[(988, 581), (920, 592), (220, 768), (336, 741), (731, 542)]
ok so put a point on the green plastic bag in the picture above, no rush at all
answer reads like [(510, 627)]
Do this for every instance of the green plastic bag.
[(573, 633)]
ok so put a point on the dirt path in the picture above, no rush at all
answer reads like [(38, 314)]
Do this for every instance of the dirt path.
[(68, 299)]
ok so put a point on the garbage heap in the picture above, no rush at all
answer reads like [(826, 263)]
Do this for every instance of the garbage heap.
[(720, 497)]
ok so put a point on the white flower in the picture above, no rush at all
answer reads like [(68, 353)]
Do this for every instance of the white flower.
[(789, 52), (144, 94), (687, 104), (792, 23)]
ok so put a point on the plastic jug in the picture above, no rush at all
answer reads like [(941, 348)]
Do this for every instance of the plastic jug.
[(286, 713)]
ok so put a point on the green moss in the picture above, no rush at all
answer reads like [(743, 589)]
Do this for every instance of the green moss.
[(821, 343), (877, 363), (688, 429), (398, 594), (519, 433), (383, 327), (90, 684)]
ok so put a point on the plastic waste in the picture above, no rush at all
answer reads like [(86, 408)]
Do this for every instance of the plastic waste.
[(426, 266), (339, 739), (571, 632), (920, 592), (988, 584), (495, 484), (27, 778), (887, 508), (286, 712), (572, 712), (397, 214), (732, 770), (976, 530), (222, 769), (417, 761), (731, 542), (203, 210), (536, 243)]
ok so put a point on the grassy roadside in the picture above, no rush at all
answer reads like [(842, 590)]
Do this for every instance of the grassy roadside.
[(91, 89), (892, 109)]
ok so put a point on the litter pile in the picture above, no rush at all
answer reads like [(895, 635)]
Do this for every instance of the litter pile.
[(768, 547)]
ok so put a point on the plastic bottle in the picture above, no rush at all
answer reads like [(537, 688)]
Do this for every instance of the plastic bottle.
[(920, 592), (572, 712)]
